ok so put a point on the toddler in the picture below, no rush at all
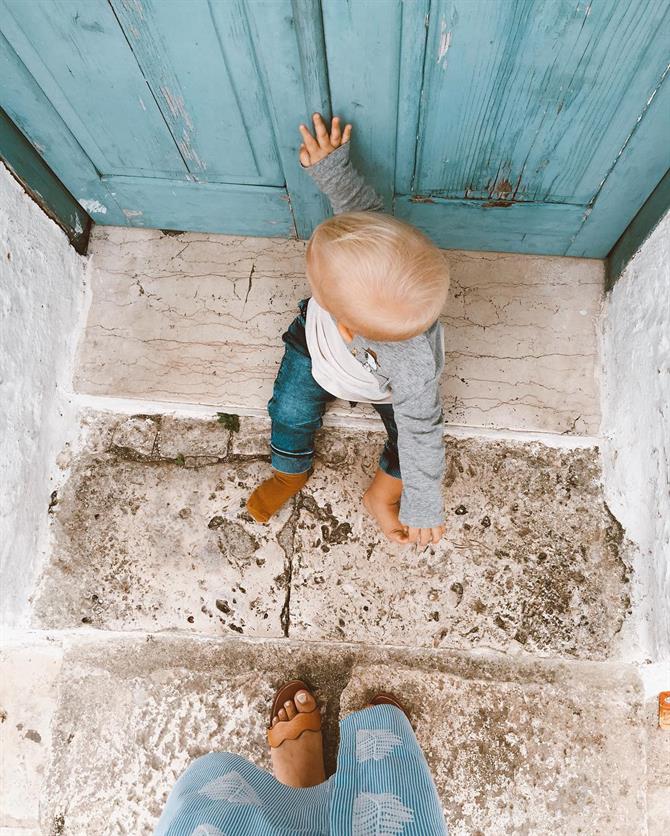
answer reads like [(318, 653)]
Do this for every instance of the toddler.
[(369, 333)]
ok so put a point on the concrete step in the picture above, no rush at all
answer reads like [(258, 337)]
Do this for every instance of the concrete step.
[(150, 533), (538, 748), (197, 319), (165, 617)]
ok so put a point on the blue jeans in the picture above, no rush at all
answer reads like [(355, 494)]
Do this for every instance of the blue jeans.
[(298, 404)]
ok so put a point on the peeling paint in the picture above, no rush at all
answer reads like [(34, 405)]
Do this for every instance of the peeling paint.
[(445, 42), (132, 213), (176, 106), (93, 206)]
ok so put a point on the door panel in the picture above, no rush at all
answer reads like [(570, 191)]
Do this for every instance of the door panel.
[(166, 103), (532, 101), (520, 125), (198, 61), (79, 56)]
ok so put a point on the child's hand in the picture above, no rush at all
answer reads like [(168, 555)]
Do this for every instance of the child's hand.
[(312, 150)]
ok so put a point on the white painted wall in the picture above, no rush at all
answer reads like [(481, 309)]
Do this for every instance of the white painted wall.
[(42, 292), (636, 427)]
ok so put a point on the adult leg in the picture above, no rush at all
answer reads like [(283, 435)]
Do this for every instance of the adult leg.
[(383, 783)]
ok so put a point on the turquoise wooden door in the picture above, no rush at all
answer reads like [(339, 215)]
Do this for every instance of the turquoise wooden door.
[(160, 113), (517, 125)]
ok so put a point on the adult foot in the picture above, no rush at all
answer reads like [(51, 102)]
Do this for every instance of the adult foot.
[(382, 502), (299, 762)]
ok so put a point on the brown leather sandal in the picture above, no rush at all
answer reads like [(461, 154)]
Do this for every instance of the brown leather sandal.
[(303, 721), (389, 699)]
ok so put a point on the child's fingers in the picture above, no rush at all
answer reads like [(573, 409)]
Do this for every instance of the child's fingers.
[(321, 131), (335, 132), (438, 533), (303, 156), (413, 535), (346, 135), (425, 536), (310, 143)]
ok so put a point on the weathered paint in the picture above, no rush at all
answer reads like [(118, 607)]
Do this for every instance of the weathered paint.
[(292, 75), (238, 210), (458, 102), (70, 47), (541, 95), (363, 72), (28, 166), (640, 164), (28, 107), (223, 133), (498, 226), (639, 229)]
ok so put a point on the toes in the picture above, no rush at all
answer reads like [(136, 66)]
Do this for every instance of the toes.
[(289, 707), (304, 701), (275, 720), (282, 715)]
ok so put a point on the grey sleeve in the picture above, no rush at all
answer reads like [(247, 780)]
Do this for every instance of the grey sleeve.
[(344, 187), (418, 415)]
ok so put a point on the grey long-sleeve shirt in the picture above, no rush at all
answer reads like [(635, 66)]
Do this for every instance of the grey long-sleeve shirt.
[(411, 368)]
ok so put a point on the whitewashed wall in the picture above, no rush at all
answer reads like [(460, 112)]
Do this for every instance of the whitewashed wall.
[(42, 295), (636, 426)]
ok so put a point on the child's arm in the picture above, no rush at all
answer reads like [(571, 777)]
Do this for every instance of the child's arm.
[(326, 158), (415, 372)]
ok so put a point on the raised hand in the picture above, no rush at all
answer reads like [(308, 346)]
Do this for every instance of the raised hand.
[(315, 148)]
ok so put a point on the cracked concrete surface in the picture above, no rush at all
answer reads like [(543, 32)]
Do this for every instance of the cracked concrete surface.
[(515, 747), (150, 532), (165, 617), (198, 318)]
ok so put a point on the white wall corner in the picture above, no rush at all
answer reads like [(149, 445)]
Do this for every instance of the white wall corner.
[(42, 300), (636, 432)]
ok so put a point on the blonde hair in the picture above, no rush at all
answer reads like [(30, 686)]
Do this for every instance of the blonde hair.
[(380, 277)]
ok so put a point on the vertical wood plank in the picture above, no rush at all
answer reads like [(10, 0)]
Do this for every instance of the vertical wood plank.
[(276, 28), (414, 31), (363, 52), (312, 51)]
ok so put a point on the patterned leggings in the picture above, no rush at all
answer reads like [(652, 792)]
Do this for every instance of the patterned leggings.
[(382, 787)]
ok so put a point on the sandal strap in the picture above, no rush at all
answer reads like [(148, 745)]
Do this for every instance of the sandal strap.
[(292, 729)]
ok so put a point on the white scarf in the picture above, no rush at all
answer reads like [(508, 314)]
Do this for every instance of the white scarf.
[(333, 365)]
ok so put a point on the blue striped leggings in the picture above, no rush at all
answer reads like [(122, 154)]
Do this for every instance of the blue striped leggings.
[(382, 787)]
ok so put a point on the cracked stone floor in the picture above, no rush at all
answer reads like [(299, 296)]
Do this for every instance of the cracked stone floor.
[(168, 616), (165, 617)]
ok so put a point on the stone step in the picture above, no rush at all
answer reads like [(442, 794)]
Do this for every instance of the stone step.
[(150, 533), (538, 748), (197, 319)]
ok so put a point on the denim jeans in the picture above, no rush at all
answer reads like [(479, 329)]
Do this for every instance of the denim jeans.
[(298, 404)]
